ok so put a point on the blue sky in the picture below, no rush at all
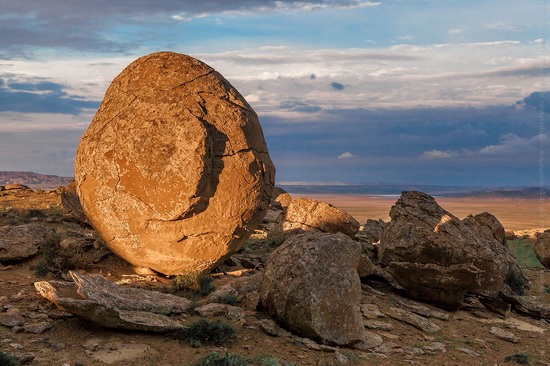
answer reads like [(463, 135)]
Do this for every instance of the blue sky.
[(402, 91)]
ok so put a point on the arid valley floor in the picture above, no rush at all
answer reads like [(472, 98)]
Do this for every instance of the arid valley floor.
[(464, 339)]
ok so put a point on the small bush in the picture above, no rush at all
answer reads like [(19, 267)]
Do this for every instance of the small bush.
[(216, 359), (200, 282), (55, 259), (230, 299), (263, 360), (7, 360), (203, 331), (520, 358)]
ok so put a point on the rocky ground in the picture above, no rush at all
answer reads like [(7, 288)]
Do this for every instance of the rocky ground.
[(413, 333)]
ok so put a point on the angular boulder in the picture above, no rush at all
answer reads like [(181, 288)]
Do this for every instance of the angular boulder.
[(311, 286), (173, 172), (542, 248), (436, 257), (311, 215), (487, 225), (22, 241), (280, 199), (373, 229)]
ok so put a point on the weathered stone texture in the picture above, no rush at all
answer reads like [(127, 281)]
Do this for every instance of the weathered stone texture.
[(173, 171)]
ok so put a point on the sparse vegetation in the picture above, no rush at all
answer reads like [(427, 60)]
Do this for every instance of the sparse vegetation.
[(519, 358), (217, 359), (516, 281), (524, 253), (208, 332), (230, 299), (263, 244), (200, 282), (265, 360), (56, 260), (7, 360)]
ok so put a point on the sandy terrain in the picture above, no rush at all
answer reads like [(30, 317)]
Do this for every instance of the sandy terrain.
[(514, 214)]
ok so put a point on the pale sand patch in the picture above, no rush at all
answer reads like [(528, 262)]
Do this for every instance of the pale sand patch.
[(513, 213)]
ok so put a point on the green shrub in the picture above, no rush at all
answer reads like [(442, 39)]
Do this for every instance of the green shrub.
[(230, 299), (56, 260), (216, 359), (263, 360), (200, 282), (520, 358), (7, 360), (203, 331)]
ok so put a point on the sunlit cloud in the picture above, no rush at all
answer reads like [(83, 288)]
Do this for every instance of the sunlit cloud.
[(346, 155), (438, 154)]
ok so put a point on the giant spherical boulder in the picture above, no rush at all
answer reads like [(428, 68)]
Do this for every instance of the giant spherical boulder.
[(174, 171)]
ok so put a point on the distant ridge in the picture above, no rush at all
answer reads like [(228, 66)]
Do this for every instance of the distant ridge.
[(34, 180), (394, 189)]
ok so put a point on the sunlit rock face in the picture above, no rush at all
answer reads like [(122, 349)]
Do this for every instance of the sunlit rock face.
[(174, 171), (437, 257)]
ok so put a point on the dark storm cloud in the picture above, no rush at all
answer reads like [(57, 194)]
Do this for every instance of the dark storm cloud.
[(537, 101), (79, 24), (482, 145), (337, 86), (41, 97)]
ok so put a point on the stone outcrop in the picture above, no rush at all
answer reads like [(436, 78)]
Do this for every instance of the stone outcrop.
[(311, 215), (173, 171), (96, 299), (71, 203), (436, 257), (22, 241), (311, 286), (542, 248), (488, 226), (373, 229), (280, 199)]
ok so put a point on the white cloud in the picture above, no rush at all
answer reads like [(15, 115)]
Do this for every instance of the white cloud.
[(439, 154), (346, 155), (456, 30), (511, 144), (407, 37)]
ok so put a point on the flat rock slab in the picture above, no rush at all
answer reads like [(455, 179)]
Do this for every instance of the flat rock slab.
[(96, 299), (22, 241), (173, 171), (505, 335), (415, 320)]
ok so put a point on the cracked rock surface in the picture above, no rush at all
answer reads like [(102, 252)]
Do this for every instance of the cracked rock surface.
[(448, 257), (173, 172)]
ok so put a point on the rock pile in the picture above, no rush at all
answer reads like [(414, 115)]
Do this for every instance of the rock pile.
[(173, 171)]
